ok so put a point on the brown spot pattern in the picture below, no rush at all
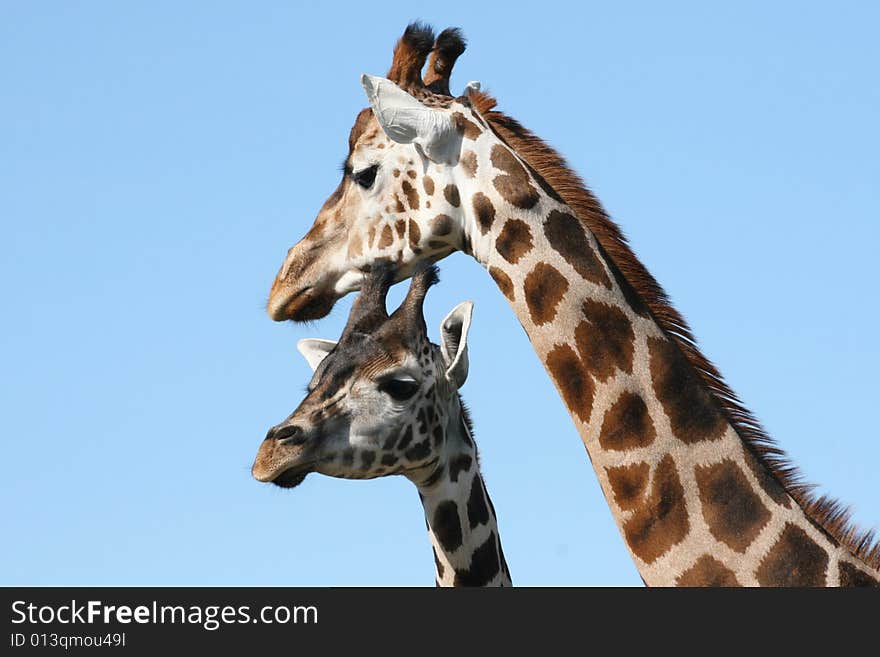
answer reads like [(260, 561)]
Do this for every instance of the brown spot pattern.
[(441, 225), (428, 184), (468, 161), (514, 184), (400, 227), (438, 565), (415, 234), (794, 560), (708, 571), (661, 521), (468, 128), (567, 236), (692, 412), (398, 205), (605, 339), (852, 576), (627, 424), (767, 481), (632, 298), (412, 196), (574, 383), (484, 210), (514, 241), (451, 194), (544, 185), (387, 237), (628, 483), (544, 288), (732, 510), (503, 282)]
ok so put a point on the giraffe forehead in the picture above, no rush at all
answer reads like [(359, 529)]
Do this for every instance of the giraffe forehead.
[(367, 143), (369, 356), (353, 358), (368, 154), (371, 143), (362, 123)]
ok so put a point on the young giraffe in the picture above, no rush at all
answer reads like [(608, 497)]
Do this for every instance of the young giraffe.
[(700, 493), (383, 401)]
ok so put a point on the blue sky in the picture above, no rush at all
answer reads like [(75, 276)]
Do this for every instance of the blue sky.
[(157, 161)]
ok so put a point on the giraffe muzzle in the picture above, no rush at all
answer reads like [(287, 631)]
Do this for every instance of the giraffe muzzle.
[(302, 305), (283, 457)]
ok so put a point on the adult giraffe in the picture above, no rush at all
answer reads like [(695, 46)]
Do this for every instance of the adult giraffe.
[(700, 493)]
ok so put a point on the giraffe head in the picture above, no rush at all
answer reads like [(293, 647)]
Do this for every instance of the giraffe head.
[(398, 200), (380, 399)]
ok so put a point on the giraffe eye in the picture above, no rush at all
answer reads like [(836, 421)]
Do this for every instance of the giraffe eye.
[(366, 177), (399, 389)]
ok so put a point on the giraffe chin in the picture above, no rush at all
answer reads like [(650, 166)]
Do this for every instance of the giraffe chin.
[(291, 478)]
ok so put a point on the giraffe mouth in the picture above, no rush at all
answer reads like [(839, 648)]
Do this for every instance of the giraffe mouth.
[(291, 477), (284, 469), (303, 305)]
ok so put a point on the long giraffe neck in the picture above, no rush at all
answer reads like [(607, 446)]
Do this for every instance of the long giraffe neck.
[(694, 501), (461, 518)]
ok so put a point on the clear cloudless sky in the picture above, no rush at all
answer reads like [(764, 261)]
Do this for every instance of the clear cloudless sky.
[(158, 159)]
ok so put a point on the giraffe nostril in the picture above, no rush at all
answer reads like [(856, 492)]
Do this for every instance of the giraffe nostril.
[(290, 434)]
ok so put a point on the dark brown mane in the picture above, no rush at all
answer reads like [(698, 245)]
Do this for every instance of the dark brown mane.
[(833, 517)]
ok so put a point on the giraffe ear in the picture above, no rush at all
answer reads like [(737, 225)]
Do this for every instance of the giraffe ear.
[(315, 350), (454, 331), (407, 121)]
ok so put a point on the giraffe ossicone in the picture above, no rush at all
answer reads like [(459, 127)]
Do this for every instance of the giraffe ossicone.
[(699, 491), (383, 401)]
